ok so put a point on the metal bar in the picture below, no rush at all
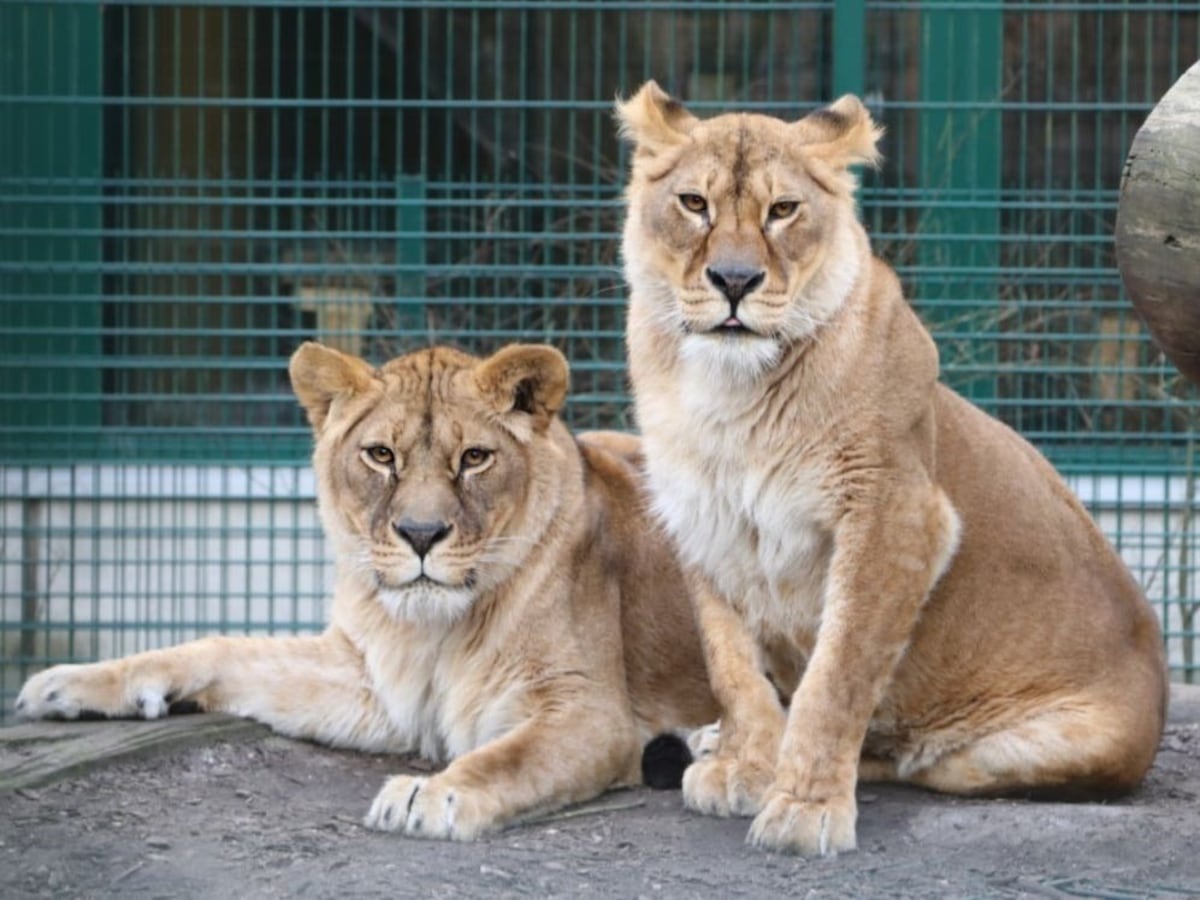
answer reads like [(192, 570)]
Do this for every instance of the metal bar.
[(451, 172), (30, 594), (849, 46)]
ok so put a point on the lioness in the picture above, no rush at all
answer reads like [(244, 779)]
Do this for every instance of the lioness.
[(890, 583), (502, 599)]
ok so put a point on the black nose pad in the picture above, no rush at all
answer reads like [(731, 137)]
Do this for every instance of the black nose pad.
[(735, 282), (421, 536)]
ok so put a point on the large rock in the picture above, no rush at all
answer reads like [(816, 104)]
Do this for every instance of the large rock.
[(1158, 224)]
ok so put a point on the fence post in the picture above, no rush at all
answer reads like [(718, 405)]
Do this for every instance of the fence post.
[(50, 227), (849, 46), (959, 171), (30, 595)]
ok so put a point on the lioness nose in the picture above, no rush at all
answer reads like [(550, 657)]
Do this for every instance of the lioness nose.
[(421, 536), (735, 282)]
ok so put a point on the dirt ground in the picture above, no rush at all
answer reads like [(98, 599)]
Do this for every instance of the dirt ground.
[(263, 816)]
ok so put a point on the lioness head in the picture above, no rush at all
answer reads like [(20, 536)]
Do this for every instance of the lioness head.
[(742, 228), (436, 472)]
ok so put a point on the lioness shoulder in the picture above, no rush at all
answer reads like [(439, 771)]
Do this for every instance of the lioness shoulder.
[(503, 602), (891, 583)]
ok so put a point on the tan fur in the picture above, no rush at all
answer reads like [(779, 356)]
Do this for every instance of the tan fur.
[(535, 647), (890, 583)]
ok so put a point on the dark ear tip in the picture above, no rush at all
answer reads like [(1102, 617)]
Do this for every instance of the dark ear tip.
[(549, 363), (523, 397), (830, 116), (526, 378)]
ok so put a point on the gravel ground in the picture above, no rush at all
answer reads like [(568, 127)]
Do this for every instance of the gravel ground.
[(263, 816)]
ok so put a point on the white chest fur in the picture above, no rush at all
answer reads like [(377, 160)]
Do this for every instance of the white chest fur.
[(747, 517), (437, 702)]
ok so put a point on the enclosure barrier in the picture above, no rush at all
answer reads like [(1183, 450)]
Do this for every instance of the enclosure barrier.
[(189, 191)]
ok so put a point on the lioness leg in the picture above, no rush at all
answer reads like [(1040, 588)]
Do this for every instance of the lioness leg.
[(310, 687), (886, 560), (732, 781), (550, 760)]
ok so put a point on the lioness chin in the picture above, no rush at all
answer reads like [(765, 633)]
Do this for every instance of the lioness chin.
[(502, 600), (890, 583)]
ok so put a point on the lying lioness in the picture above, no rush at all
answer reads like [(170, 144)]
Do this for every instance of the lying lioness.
[(502, 600), (891, 584)]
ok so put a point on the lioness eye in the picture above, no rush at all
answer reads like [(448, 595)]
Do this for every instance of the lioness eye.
[(473, 457), (381, 455), (693, 203), (781, 209)]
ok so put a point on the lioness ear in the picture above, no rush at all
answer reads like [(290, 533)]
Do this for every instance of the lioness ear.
[(841, 134), (320, 375), (652, 120), (525, 378)]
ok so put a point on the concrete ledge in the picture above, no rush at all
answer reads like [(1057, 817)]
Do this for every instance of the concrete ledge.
[(40, 753)]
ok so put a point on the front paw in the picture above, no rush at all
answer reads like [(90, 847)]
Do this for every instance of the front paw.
[(806, 827), (71, 691), (726, 785), (429, 808)]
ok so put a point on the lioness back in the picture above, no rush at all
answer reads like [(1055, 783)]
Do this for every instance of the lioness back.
[(1066, 597), (890, 583), (1031, 517)]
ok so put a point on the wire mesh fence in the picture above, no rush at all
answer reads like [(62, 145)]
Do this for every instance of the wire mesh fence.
[(189, 191)]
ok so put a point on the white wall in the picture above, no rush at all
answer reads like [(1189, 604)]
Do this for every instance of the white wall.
[(139, 557)]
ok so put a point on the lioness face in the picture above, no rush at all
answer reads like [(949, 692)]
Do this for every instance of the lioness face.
[(737, 220), (426, 467)]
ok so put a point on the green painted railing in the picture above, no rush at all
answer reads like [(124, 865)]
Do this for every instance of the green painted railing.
[(189, 191)]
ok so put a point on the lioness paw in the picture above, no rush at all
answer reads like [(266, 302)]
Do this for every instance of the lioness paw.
[(726, 786), (806, 827), (44, 696), (389, 810), (71, 691), (427, 808)]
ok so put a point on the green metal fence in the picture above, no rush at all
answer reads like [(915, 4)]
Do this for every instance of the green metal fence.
[(189, 191)]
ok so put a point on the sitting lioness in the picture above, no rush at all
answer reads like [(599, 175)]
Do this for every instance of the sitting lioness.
[(890, 583), (503, 600)]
